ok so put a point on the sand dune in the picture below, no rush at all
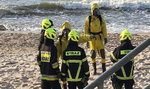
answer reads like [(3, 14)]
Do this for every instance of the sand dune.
[(18, 69)]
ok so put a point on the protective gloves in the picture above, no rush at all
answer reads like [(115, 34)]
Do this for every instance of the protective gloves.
[(92, 36)]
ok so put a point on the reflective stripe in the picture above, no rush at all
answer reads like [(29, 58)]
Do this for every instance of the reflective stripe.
[(125, 78), (49, 77), (74, 80), (87, 73), (63, 61), (74, 61), (55, 65), (69, 74), (123, 71), (124, 52), (131, 70), (63, 74), (78, 71), (73, 53), (85, 59), (45, 56), (114, 58)]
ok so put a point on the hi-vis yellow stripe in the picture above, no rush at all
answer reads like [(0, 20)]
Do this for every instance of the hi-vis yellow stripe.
[(112, 55), (73, 53), (124, 52)]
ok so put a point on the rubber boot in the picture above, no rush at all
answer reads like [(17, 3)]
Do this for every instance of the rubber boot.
[(94, 66), (103, 67)]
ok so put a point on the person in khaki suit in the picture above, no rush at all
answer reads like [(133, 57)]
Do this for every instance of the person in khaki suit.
[(95, 25)]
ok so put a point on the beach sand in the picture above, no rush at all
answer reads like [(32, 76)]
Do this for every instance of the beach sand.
[(18, 69)]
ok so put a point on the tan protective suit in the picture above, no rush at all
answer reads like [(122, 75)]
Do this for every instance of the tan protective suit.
[(62, 43), (95, 27)]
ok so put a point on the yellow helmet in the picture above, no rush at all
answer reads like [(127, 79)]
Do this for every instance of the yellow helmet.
[(125, 34), (46, 23), (73, 35), (50, 33)]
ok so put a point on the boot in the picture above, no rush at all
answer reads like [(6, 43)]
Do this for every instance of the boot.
[(104, 67), (94, 66)]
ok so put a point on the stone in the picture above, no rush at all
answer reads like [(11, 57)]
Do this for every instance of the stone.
[(2, 28)]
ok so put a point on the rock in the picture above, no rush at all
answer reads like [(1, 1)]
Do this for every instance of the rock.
[(2, 28)]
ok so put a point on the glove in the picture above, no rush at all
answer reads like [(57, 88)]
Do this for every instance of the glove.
[(92, 36), (105, 40), (84, 80)]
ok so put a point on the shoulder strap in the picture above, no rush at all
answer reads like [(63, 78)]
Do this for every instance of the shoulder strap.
[(89, 24), (100, 19)]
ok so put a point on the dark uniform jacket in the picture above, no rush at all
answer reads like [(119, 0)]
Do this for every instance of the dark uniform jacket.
[(75, 65), (125, 72), (47, 60)]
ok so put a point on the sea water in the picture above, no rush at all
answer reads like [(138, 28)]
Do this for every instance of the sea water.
[(26, 15)]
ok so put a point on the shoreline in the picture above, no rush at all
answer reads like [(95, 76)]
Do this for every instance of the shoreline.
[(38, 32)]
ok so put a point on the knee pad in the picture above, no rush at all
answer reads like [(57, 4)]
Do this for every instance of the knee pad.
[(93, 56)]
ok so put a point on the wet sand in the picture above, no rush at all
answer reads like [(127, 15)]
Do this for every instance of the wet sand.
[(18, 69)]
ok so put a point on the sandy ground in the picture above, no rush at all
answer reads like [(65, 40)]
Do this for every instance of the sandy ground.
[(18, 69)]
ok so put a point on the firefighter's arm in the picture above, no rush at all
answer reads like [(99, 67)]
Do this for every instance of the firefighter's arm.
[(86, 72), (64, 70), (85, 67), (55, 64), (39, 59), (104, 30), (113, 56), (63, 73), (85, 64), (86, 26), (85, 38)]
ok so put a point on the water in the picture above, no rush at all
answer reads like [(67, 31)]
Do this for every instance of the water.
[(26, 15)]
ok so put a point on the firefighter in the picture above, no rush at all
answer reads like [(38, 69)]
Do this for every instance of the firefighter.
[(46, 23), (75, 68), (96, 25), (47, 60), (124, 76)]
